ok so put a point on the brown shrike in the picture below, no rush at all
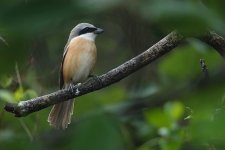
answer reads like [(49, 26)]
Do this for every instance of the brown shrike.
[(78, 61)]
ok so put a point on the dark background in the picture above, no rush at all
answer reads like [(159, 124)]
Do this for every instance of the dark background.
[(167, 105)]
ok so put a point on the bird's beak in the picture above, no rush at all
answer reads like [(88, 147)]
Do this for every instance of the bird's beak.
[(98, 31)]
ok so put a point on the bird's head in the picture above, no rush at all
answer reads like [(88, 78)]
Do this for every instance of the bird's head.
[(85, 30)]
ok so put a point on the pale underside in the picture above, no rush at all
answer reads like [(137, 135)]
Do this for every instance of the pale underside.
[(79, 60)]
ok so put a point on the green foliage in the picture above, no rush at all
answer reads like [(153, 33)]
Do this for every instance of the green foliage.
[(174, 110), (17, 96), (186, 113), (166, 122), (96, 128), (157, 118), (187, 16), (6, 96), (5, 81), (98, 100), (183, 63)]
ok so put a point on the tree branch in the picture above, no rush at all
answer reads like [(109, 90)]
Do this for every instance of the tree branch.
[(216, 41), (164, 46)]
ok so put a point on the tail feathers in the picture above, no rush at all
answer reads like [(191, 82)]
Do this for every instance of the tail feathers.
[(60, 115)]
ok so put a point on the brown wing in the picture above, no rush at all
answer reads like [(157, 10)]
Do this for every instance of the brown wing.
[(61, 79)]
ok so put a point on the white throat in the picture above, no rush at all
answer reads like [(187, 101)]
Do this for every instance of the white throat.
[(89, 36)]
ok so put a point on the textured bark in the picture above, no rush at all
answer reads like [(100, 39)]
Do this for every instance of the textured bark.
[(164, 46), (216, 41)]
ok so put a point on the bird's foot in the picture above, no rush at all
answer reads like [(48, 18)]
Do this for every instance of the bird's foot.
[(70, 87), (77, 90)]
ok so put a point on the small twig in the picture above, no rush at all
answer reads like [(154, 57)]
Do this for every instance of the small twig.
[(26, 129), (18, 75), (3, 40), (23, 124), (204, 69)]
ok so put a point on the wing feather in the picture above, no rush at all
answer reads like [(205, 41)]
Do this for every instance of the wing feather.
[(61, 79)]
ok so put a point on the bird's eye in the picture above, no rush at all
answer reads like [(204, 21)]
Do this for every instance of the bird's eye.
[(87, 30)]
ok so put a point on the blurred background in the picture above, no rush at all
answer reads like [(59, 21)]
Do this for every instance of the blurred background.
[(167, 105)]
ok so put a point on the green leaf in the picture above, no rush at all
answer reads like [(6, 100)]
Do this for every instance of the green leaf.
[(157, 118), (170, 144), (6, 96), (19, 94), (28, 94), (174, 110), (5, 81)]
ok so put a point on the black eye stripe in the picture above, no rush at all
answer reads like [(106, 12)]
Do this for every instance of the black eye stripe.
[(87, 30)]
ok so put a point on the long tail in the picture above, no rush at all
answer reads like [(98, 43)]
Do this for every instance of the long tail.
[(60, 115)]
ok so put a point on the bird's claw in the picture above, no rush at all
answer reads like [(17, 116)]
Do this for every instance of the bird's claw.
[(72, 86), (77, 90)]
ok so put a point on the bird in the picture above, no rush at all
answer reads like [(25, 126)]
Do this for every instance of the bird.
[(78, 61)]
